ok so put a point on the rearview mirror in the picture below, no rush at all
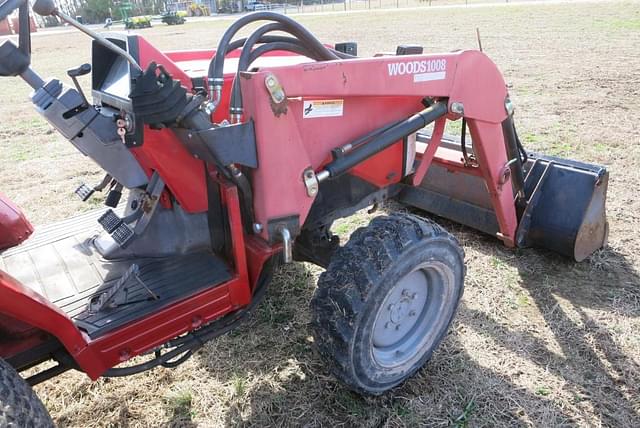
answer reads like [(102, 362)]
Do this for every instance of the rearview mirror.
[(44, 7)]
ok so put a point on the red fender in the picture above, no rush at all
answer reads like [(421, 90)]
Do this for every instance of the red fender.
[(21, 303), (14, 226)]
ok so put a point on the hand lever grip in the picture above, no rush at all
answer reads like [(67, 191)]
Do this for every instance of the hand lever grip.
[(74, 73), (79, 71)]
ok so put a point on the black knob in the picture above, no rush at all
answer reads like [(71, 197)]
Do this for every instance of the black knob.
[(79, 71)]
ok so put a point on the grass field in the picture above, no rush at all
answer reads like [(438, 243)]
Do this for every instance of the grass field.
[(538, 340)]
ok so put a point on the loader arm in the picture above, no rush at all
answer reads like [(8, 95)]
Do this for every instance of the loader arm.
[(373, 92)]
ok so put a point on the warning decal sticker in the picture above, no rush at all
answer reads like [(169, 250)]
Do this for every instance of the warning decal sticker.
[(322, 108)]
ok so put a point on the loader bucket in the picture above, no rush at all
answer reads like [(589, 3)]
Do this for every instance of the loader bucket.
[(565, 209), (565, 206)]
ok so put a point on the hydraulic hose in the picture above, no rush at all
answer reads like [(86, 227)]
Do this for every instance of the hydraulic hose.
[(248, 55), (235, 104), (217, 63), (243, 63), (279, 46), (185, 346), (216, 66)]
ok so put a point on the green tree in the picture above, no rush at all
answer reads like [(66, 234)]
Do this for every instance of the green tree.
[(96, 11)]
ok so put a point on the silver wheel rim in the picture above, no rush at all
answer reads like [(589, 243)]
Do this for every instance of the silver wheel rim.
[(412, 315)]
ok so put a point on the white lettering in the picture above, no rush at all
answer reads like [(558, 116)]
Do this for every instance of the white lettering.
[(436, 66)]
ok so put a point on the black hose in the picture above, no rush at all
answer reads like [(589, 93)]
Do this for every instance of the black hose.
[(243, 62), (235, 105), (463, 143), (185, 346), (216, 66), (175, 363), (279, 46)]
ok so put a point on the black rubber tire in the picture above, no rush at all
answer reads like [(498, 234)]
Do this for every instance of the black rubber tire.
[(20, 407), (354, 286)]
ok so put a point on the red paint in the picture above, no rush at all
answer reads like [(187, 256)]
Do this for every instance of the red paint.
[(94, 357), (161, 150), (20, 302), (14, 226), (287, 144), (372, 98), (427, 157), (183, 174)]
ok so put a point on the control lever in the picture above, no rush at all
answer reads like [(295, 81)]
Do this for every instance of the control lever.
[(74, 73)]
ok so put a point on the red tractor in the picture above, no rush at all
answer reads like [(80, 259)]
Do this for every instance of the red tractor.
[(238, 159)]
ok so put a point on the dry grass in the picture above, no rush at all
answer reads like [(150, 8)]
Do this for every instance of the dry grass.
[(538, 340)]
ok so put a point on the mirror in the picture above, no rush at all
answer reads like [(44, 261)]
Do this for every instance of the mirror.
[(44, 7)]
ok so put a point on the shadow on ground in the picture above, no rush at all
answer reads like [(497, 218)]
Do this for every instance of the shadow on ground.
[(277, 378)]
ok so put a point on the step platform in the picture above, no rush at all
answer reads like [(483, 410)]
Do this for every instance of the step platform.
[(60, 263)]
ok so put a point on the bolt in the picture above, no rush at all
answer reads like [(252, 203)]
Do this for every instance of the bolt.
[(257, 227), (457, 108), (405, 292), (413, 296), (397, 326), (271, 81), (412, 313), (386, 325)]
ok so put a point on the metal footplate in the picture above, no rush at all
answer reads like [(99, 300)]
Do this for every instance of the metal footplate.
[(116, 227)]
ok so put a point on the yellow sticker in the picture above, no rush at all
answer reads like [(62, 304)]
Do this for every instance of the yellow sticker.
[(322, 108)]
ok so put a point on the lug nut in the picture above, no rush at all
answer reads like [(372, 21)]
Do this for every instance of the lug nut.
[(398, 327), (412, 313), (386, 325)]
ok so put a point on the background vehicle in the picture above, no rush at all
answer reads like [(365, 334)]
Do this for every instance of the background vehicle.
[(137, 22), (253, 6), (213, 206), (174, 18)]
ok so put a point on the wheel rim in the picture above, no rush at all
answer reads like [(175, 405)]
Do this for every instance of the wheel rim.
[(410, 318)]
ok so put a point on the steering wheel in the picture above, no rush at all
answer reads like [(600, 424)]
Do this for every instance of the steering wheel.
[(9, 6)]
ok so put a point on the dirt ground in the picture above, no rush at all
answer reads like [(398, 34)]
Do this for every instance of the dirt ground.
[(538, 340)]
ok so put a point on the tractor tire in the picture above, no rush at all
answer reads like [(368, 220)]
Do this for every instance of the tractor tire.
[(20, 407), (386, 301)]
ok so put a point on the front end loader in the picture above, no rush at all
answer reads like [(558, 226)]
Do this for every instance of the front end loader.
[(222, 164)]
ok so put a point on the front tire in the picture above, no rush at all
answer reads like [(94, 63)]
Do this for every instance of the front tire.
[(386, 301), (20, 407)]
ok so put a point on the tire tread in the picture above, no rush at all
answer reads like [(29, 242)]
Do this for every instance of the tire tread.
[(355, 266), (20, 407)]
